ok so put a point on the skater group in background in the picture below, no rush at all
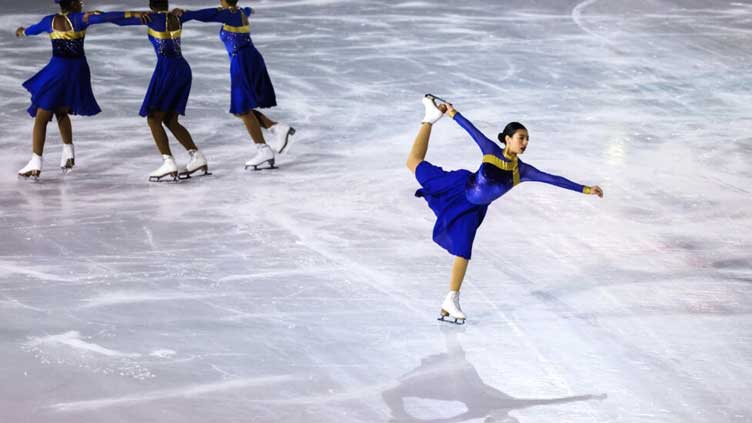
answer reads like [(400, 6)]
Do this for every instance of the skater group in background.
[(63, 87)]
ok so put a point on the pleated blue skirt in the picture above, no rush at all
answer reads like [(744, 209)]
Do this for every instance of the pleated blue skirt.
[(457, 219), (169, 88), (250, 84), (65, 83)]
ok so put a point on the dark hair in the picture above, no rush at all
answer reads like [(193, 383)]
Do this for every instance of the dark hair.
[(159, 4), (510, 130), (232, 2), (65, 5)]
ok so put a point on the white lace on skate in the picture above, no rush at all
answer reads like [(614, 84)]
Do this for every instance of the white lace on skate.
[(68, 158), (282, 134), (33, 169), (264, 158), (451, 308), (433, 114), (168, 170)]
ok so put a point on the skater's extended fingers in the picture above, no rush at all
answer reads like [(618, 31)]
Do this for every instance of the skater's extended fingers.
[(20, 31), (443, 108), (598, 191)]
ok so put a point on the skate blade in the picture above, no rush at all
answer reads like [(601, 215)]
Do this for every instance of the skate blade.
[(437, 98), (30, 176), (445, 317), (189, 175), (258, 167), (170, 177), (290, 132)]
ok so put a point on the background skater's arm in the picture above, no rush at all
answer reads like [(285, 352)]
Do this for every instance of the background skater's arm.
[(486, 146), (119, 18), (43, 26), (213, 14), (529, 173)]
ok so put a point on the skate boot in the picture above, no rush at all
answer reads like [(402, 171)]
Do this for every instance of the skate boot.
[(450, 309), (264, 156), (68, 159), (33, 169), (281, 134), (167, 172), (433, 113), (197, 163)]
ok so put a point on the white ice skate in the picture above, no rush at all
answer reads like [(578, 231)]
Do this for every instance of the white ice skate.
[(167, 172), (264, 156), (281, 134), (433, 114), (33, 169), (197, 163), (450, 309), (68, 159)]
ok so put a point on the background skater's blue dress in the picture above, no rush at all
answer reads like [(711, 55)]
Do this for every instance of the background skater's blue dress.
[(460, 198), (170, 83), (251, 86), (65, 83)]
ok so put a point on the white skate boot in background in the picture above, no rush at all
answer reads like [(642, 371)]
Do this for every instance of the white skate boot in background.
[(264, 158), (68, 158), (167, 172), (433, 113), (197, 163), (281, 134), (33, 169), (450, 309)]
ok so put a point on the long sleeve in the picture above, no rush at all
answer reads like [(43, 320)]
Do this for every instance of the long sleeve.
[(248, 11), (117, 18), (43, 26), (213, 14), (486, 146), (529, 173)]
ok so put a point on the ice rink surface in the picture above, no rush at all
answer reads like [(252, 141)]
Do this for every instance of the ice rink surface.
[(309, 294)]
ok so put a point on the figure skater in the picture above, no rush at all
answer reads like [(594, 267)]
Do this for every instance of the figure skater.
[(167, 95), (63, 87), (251, 86), (460, 198)]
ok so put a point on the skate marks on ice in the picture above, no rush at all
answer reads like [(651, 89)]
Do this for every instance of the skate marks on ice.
[(450, 378)]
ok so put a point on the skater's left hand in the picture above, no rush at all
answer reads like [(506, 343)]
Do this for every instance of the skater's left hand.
[(596, 190), (20, 31)]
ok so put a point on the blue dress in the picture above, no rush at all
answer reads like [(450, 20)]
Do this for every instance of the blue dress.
[(250, 84), (460, 198), (65, 83), (170, 83)]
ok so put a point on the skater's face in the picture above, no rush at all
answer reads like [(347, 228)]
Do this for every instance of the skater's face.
[(517, 143), (224, 4)]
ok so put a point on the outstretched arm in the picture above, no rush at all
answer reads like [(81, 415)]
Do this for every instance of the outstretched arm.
[(213, 14), (486, 146), (43, 26), (119, 18), (248, 11), (530, 173)]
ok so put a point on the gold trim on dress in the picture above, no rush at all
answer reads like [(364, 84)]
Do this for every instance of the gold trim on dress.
[(165, 35), (67, 35), (509, 166), (245, 29)]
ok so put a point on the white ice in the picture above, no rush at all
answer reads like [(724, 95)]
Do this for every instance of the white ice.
[(309, 294)]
